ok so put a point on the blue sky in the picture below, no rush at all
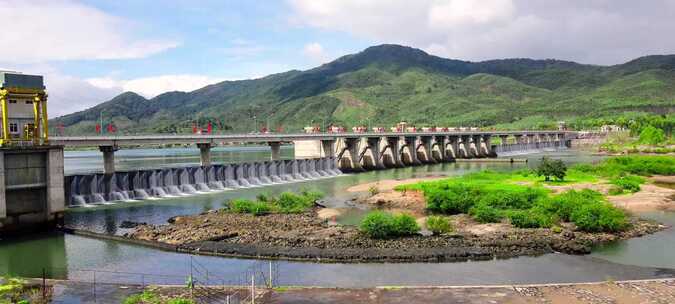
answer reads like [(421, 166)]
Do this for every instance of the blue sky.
[(92, 50)]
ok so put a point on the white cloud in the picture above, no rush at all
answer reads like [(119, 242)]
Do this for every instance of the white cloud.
[(315, 52), (599, 31), (155, 85), (41, 31)]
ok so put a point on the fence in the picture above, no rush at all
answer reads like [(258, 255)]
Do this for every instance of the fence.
[(204, 285)]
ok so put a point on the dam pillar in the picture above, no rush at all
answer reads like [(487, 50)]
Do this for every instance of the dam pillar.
[(108, 158), (352, 147), (389, 153), (204, 154), (479, 145), (504, 140), (438, 148), (423, 149), (275, 146), (409, 151), (31, 188), (328, 148), (452, 148)]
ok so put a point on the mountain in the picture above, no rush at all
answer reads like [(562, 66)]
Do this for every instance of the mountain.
[(388, 83)]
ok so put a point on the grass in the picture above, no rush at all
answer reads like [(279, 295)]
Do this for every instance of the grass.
[(286, 202), (149, 297)]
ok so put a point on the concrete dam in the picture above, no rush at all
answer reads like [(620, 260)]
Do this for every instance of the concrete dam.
[(317, 156), (98, 188)]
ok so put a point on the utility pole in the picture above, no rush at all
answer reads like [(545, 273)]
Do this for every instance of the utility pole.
[(101, 121)]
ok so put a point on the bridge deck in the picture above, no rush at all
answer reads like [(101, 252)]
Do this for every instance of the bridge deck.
[(83, 141)]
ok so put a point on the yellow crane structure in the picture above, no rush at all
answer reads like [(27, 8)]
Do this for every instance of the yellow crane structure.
[(23, 96)]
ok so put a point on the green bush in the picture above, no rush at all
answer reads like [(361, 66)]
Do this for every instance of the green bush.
[(485, 213), (438, 224), (652, 136), (405, 224), (529, 219), (599, 217), (562, 205), (552, 168), (630, 183), (450, 199), (379, 225), (288, 202), (637, 164), (248, 206), (516, 198)]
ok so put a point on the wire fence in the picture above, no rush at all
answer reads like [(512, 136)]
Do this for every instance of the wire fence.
[(203, 284)]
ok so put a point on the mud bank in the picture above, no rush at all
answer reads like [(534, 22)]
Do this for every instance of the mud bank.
[(307, 237)]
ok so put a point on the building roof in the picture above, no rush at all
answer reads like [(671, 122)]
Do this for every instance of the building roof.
[(22, 81)]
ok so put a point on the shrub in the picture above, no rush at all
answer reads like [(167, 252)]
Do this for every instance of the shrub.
[(450, 199), (630, 183), (638, 165), (379, 225), (529, 219), (564, 204), (248, 206), (311, 195), (517, 197), (438, 224), (652, 136), (599, 217), (405, 224), (552, 168), (485, 213), (288, 202)]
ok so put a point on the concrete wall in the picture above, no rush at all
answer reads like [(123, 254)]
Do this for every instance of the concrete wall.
[(31, 188), (307, 149)]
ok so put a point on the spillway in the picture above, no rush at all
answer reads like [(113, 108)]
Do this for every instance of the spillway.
[(84, 190)]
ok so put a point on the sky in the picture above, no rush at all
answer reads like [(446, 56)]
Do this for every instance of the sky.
[(92, 50)]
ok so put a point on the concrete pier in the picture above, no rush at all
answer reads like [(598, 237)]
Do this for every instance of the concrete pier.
[(275, 146), (31, 188), (108, 158), (204, 154)]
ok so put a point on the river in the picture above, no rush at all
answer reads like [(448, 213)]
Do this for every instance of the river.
[(70, 256)]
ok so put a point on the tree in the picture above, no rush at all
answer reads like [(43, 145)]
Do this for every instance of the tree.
[(552, 167), (652, 136)]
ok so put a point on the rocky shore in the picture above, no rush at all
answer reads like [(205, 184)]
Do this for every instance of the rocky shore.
[(307, 237)]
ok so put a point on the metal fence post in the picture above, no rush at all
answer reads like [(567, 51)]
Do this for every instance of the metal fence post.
[(253, 288), (270, 283), (44, 285), (94, 286)]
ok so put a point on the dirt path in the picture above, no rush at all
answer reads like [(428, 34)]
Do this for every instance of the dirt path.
[(389, 184), (656, 291)]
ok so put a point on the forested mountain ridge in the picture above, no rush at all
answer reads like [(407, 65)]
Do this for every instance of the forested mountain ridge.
[(388, 83)]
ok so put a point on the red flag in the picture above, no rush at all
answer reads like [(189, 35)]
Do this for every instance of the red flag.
[(98, 129), (209, 128), (194, 129)]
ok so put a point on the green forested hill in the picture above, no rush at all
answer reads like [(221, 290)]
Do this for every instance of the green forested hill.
[(389, 83)]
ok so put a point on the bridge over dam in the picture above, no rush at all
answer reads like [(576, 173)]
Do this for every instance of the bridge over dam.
[(317, 155)]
